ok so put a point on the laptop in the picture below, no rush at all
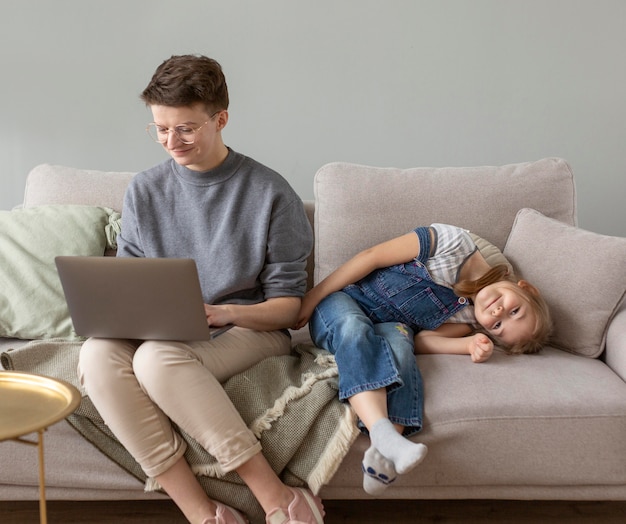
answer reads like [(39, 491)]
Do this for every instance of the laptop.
[(135, 298)]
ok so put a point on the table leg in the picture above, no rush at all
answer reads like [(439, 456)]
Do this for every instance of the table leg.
[(43, 517)]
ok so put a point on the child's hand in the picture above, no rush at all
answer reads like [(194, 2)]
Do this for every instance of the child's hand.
[(480, 347)]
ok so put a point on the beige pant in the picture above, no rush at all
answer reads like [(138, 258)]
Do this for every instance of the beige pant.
[(140, 387)]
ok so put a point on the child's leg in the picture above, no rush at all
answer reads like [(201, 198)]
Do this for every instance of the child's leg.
[(378, 472), (367, 367), (404, 454), (371, 408), (405, 403), (364, 360)]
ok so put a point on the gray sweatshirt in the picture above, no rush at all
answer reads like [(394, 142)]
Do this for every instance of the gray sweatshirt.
[(241, 222)]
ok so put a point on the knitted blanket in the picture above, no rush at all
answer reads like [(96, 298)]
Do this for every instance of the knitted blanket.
[(289, 402)]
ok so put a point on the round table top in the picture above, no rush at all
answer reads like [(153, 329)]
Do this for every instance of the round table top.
[(30, 402)]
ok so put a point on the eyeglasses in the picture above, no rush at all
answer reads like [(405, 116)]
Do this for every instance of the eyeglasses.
[(186, 134)]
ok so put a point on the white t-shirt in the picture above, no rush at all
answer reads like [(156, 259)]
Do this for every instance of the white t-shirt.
[(452, 247)]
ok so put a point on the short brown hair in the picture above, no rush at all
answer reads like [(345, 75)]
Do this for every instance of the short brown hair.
[(185, 80)]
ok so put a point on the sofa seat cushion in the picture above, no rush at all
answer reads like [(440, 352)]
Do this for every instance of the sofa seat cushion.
[(560, 418), (552, 418), (75, 470)]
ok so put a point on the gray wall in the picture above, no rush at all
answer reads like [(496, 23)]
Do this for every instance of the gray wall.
[(389, 83)]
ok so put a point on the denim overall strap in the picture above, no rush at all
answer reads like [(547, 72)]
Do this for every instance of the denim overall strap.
[(423, 235)]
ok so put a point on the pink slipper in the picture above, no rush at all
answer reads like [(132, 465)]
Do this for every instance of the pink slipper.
[(305, 508), (226, 515)]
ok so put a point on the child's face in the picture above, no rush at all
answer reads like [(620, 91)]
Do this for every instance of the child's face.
[(504, 312)]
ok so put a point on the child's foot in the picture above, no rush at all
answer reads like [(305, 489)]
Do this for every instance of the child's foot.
[(378, 472), (404, 454)]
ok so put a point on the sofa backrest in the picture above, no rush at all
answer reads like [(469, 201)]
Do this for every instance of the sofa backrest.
[(358, 206), (48, 184)]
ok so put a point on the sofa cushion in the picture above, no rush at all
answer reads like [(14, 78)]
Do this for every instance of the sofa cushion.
[(32, 303), (492, 255), (359, 206), (550, 424), (53, 185), (581, 275)]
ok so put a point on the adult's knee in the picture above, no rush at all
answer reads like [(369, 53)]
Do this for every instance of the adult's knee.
[(100, 361), (153, 360)]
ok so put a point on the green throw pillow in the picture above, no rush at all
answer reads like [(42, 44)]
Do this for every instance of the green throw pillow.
[(32, 303)]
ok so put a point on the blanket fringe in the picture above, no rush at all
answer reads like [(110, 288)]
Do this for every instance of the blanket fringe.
[(264, 422), (338, 446), (151, 485), (325, 360)]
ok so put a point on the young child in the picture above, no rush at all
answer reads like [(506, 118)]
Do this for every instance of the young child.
[(428, 291)]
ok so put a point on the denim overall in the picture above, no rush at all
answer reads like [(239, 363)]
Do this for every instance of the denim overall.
[(369, 327)]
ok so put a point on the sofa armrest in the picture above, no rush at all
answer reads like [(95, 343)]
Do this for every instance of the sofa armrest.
[(615, 354)]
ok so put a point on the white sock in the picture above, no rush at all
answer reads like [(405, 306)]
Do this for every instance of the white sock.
[(378, 472), (404, 454)]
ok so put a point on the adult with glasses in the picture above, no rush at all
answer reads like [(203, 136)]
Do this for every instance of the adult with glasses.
[(247, 231)]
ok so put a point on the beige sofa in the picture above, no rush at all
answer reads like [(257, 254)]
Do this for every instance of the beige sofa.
[(545, 426)]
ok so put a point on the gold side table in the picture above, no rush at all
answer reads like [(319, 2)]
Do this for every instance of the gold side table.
[(30, 403)]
